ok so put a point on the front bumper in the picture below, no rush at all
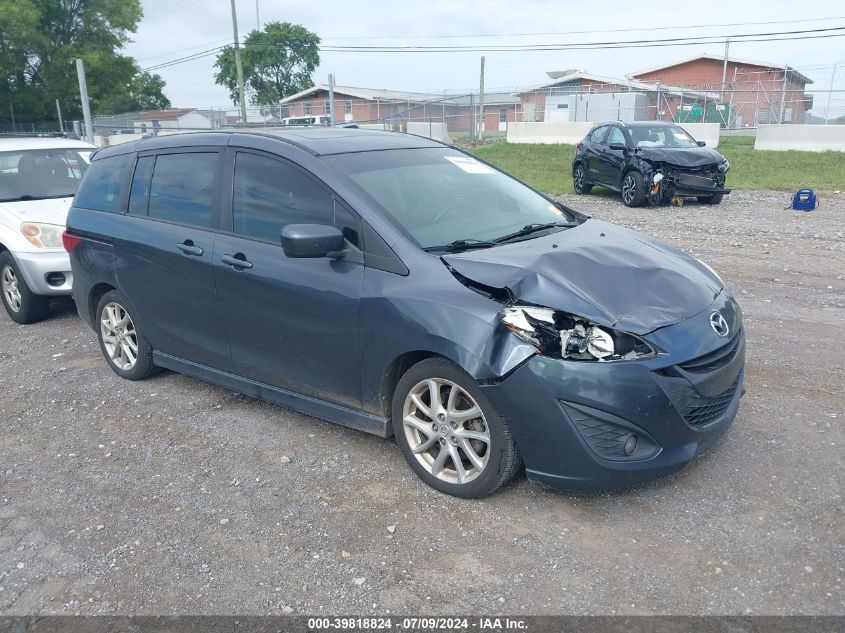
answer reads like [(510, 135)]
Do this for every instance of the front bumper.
[(42, 271), (571, 419)]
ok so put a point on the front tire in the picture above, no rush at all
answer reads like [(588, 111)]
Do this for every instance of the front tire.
[(579, 180), (449, 432), (633, 189), (122, 342), (22, 305), (716, 198)]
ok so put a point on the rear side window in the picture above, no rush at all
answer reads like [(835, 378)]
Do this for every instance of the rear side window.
[(103, 183), (598, 134), (268, 194), (182, 188), (139, 193)]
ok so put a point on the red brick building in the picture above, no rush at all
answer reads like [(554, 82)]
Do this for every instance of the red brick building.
[(757, 92), (394, 107)]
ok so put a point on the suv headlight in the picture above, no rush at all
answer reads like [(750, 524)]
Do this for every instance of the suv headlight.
[(724, 166), (43, 235), (562, 335)]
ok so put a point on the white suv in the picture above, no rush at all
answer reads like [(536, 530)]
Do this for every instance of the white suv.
[(38, 178)]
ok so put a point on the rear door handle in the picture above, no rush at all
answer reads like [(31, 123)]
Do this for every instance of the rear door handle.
[(236, 261), (188, 248)]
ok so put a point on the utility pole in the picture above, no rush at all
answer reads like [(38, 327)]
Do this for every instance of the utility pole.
[(83, 95), (257, 17), (59, 111), (830, 92), (238, 66), (331, 100), (725, 68), (481, 102)]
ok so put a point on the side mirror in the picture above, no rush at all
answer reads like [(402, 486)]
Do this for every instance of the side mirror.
[(311, 240), (701, 143), (619, 147)]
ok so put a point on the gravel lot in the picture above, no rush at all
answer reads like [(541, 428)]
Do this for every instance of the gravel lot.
[(170, 496)]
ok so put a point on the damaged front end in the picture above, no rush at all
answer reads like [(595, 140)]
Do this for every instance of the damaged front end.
[(558, 334), (665, 181)]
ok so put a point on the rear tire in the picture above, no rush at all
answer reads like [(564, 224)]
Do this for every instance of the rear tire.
[(440, 415), (579, 180), (633, 189), (22, 305), (716, 198), (122, 342)]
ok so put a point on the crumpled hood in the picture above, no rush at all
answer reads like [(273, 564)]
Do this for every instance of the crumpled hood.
[(682, 157), (49, 211), (606, 273)]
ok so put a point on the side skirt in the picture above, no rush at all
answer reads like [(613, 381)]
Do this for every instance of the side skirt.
[(336, 413)]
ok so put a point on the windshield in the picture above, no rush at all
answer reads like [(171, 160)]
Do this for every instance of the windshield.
[(41, 173), (661, 136), (441, 196)]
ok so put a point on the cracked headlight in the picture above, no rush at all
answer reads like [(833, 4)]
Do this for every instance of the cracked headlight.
[(724, 166), (43, 235), (562, 335)]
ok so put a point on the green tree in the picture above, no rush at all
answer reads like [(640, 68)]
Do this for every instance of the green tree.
[(142, 92), (277, 61), (40, 41)]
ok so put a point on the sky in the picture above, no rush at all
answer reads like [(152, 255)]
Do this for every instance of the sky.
[(172, 29)]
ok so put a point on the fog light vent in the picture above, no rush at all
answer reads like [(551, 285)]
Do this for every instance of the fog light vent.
[(610, 440), (56, 279)]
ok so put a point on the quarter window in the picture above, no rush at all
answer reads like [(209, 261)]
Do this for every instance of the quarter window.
[(268, 194), (182, 188), (101, 188)]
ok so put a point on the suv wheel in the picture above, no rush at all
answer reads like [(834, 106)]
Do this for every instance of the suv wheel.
[(123, 344), (633, 189), (579, 180), (449, 432), (23, 305)]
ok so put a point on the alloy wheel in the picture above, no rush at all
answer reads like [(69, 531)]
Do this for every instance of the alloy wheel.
[(446, 430), (119, 336), (579, 179), (629, 189), (11, 290)]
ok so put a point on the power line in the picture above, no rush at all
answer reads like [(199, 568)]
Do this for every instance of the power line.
[(629, 30), (808, 34)]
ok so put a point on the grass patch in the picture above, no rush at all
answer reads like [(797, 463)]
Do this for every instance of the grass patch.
[(549, 167)]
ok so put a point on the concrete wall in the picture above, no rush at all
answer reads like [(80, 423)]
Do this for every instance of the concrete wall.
[(436, 131), (809, 138), (707, 132), (547, 133)]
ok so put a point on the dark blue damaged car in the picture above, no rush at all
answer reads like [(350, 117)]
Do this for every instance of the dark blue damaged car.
[(402, 287)]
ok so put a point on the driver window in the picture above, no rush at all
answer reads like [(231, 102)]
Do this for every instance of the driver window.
[(598, 134), (616, 136)]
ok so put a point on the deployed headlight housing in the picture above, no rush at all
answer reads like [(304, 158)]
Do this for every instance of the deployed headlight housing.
[(43, 235), (562, 335)]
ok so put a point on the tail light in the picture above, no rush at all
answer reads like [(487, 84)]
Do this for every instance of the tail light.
[(579, 145), (70, 241)]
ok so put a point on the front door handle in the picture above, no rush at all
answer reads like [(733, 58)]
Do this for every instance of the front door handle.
[(188, 248), (238, 261)]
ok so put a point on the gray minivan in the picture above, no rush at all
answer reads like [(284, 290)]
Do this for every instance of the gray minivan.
[(403, 287)]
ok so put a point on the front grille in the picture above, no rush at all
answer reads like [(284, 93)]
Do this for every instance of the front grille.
[(606, 439), (713, 360), (696, 180), (700, 410)]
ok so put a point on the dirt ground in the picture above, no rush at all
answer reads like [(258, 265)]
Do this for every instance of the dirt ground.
[(170, 496)]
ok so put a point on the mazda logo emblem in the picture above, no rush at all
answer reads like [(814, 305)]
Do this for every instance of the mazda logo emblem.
[(719, 325)]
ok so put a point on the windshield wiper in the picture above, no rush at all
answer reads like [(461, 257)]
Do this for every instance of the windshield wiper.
[(528, 229), (27, 197), (461, 245)]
